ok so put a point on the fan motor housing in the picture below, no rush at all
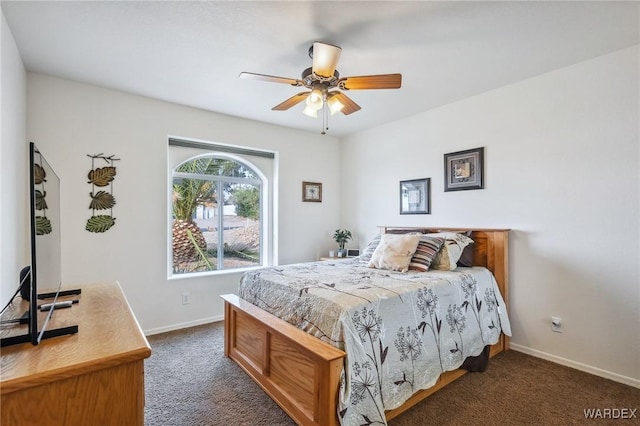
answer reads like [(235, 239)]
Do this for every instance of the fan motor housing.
[(309, 78)]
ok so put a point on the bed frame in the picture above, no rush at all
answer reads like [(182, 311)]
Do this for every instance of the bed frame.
[(301, 373)]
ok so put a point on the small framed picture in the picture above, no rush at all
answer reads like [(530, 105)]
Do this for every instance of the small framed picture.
[(415, 196), (464, 170), (312, 191), (353, 252)]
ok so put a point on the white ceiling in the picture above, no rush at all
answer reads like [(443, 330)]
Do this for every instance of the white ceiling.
[(192, 52)]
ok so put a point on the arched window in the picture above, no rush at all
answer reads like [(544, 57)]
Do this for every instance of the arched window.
[(217, 211)]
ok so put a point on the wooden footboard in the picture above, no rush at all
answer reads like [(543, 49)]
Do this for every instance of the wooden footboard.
[(298, 371), (301, 373)]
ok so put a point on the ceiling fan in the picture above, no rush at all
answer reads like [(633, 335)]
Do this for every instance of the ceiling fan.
[(325, 85)]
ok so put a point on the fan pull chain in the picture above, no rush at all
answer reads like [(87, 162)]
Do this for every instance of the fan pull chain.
[(325, 117)]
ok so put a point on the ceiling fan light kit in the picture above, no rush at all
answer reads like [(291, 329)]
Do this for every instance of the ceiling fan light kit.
[(322, 77), (325, 58), (310, 112), (335, 106), (314, 100)]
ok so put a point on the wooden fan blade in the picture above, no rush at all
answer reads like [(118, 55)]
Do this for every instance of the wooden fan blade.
[(294, 100), (382, 81), (349, 106), (271, 78), (325, 59)]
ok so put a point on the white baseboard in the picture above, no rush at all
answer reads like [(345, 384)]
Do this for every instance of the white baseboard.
[(577, 365), (183, 325)]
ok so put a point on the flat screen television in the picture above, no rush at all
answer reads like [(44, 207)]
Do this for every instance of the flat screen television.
[(45, 270)]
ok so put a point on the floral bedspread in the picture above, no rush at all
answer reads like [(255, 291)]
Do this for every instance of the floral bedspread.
[(400, 330)]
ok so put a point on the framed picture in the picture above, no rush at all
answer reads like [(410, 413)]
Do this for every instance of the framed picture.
[(353, 252), (415, 196), (464, 170), (312, 191)]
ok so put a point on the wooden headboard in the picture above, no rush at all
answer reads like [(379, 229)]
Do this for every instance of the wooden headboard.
[(491, 250)]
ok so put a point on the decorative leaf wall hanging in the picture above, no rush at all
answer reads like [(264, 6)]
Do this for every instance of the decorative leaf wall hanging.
[(41, 203), (39, 174), (101, 200), (100, 223), (102, 176), (43, 224)]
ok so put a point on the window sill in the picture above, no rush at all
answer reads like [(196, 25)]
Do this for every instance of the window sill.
[(178, 277)]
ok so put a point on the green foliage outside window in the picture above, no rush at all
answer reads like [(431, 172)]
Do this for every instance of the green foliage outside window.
[(247, 202)]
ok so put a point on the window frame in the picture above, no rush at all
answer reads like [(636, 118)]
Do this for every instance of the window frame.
[(263, 185)]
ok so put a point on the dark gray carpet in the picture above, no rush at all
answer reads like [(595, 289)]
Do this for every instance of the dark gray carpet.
[(189, 382)]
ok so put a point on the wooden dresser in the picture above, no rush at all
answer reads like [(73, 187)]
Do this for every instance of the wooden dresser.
[(94, 377)]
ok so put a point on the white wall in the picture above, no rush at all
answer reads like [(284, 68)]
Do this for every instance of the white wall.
[(562, 171), (562, 161), (14, 157), (69, 120)]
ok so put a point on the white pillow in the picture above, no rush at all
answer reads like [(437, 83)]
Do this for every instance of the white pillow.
[(447, 258), (394, 252)]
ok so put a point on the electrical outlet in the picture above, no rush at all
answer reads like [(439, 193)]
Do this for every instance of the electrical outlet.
[(186, 298), (556, 324)]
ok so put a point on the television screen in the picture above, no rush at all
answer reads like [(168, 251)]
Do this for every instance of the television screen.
[(46, 261), (46, 224), (46, 258)]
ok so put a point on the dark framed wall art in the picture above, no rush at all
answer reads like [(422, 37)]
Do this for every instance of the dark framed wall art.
[(312, 192), (415, 196), (464, 170)]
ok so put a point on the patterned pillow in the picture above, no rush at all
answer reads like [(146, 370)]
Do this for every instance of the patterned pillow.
[(466, 259), (426, 251), (447, 257), (371, 247), (394, 252)]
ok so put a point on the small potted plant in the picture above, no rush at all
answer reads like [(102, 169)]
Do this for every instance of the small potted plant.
[(341, 236)]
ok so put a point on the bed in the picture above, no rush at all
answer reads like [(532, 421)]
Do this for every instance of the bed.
[(316, 383)]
